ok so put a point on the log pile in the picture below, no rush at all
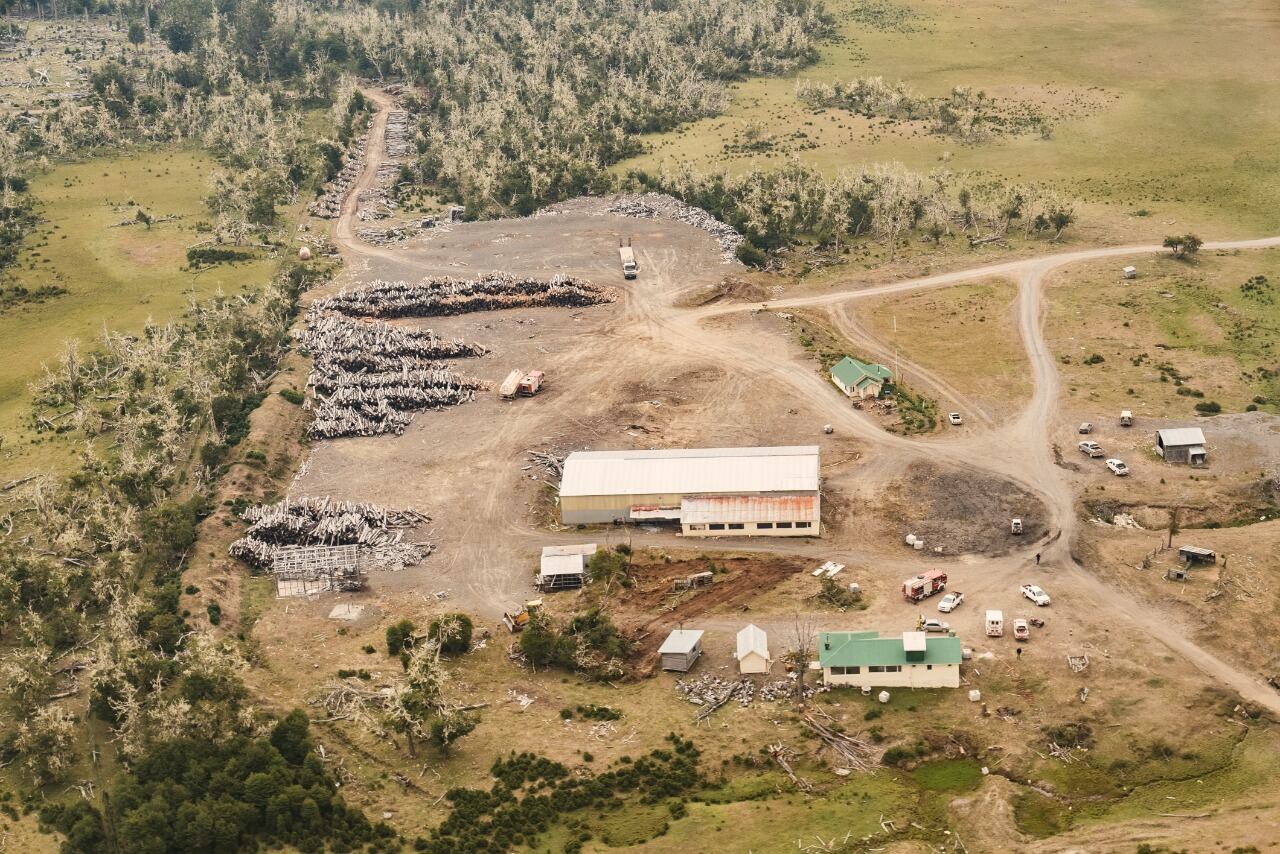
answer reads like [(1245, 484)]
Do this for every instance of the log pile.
[(399, 138), (388, 236), (660, 205), (329, 205), (324, 522), (445, 296), (370, 378), (853, 753), (374, 204)]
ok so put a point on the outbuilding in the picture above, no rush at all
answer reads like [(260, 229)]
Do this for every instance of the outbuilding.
[(709, 492), (1182, 445), (564, 567), (753, 650), (911, 660), (681, 649), (860, 379)]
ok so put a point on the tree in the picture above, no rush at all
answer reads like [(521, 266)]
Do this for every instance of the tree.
[(400, 637), (803, 638), (422, 707), (137, 33), (144, 218), (1060, 218), (452, 632), (1183, 245), (609, 567)]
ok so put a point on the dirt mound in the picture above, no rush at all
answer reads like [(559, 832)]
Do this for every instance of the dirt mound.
[(730, 289), (961, 512)]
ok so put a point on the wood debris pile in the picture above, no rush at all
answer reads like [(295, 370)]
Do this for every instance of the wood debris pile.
[(388, 236), (853, 753), (370, 378), (375, 203), (449, 296), (399, 137), (329, 205), (660, 205), (325, 522)]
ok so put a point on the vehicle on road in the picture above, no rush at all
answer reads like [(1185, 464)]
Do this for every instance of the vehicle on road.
[(1126, 418), (1091, 449), (1036, 594), (1118, 468), (932, 625), (995, 624), (955, 419), (1021, 631), (950, 602), (1086, 428), (924, 586), (1015, 526), (628, 257)]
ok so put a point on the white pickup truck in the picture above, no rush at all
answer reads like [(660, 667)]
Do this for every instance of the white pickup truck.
[(1036, 594)]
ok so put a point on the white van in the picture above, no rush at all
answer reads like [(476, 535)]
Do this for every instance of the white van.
[(995, 624)]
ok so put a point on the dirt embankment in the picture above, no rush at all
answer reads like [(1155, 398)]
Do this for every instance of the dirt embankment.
[(962, 512)]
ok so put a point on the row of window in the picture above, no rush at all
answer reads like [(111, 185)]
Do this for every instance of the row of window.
[(873, 668), (758, 526)]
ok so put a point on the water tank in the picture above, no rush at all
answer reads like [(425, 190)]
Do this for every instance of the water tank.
[(919, 544), (975, 695), (884, 697), (304, 254), (866, 690)]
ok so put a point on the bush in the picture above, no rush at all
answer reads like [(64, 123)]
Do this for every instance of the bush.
[(293, 396), (215, 613), (1209, 407), (751, 255), (208, 256), (896, 757), (1095, 359), (453, 631), (400, 637)]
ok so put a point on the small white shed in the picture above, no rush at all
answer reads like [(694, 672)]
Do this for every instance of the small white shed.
[(564, 567), (753, 650), (681, 649)]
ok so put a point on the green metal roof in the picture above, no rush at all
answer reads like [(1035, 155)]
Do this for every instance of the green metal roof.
[(854, 373), (849, 649)]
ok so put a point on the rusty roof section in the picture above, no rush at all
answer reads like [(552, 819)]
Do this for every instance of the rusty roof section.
[(699, 509)]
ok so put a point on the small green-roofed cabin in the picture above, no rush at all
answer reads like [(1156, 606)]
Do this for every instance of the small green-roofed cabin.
[(909, 660), (860, 379)]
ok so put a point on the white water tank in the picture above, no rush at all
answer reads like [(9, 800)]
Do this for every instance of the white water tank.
[(911, 539), (304, 254), (919, 544), (975, 695), (884, 697)]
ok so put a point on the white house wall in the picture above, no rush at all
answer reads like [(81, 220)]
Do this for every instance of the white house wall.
[(911, 676)]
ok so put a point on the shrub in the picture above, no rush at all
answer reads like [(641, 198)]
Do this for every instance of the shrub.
[(400, 637), (751, 255), (896, 757), (1208, 407), (208, 256), (293, 396), (1095, 359), (215, 613)]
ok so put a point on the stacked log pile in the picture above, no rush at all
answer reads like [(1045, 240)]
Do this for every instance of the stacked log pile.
[(660, 205), (449, 296), (399, 138), (329, 205), (375, 204), (325, 522), (370, 378), (388, 236)]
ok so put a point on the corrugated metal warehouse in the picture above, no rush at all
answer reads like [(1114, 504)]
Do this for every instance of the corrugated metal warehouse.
[(710, 492)]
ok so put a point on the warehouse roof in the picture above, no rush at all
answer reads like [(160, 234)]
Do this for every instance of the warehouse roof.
[(680, 642), (683, 471), (1178, 436), (748, 508), (862, 649)]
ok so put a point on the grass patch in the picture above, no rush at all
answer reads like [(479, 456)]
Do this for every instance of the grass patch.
[(1038, 816), (949, 775)]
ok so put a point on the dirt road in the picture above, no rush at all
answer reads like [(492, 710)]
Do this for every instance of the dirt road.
[(490, 543)]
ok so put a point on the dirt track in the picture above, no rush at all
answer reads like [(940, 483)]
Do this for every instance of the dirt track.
[(464, 465)]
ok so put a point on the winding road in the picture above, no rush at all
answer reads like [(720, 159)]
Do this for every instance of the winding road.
[(1018, 450)]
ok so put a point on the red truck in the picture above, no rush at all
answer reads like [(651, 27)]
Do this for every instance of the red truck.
[(924, 586)]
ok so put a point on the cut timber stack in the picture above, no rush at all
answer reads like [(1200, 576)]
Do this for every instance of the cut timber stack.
[(449, 296), (322, 521), (369, 378), (329, 205), (399, 138)]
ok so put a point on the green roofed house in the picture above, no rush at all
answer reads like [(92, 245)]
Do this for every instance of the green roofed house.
[(860, 379), (911, 660)]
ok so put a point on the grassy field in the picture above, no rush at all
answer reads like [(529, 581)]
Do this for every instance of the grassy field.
[(1179, 330), (115, 277), (965, 335), (1164, 107)]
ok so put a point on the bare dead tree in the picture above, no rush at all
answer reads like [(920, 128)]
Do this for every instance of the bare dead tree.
[(802, 640)]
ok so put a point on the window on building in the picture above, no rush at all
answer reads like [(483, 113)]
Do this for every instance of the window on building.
[(716, 526), (804, 524), (876, 668), (854, 671), (763, 526), (837, 671), (893, 668), (784, 524), (736, 526), (697, 527), (928, 667)]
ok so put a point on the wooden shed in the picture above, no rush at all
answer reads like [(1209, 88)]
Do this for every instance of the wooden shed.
[(753, 650), (681, 649)]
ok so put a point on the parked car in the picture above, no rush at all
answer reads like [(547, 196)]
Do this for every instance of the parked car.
[(1036, 594), (1086, 428), (1091, 449), (1118, 468), (955, 419), (932, 625), (950, 602), (1021, 631)]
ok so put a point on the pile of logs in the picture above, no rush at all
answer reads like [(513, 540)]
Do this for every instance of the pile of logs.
[(853, 753), (325, 522), (375, 204), (370, 378), (399, 138), (329, 205), (388, 236), (448, 296), (659, 205)]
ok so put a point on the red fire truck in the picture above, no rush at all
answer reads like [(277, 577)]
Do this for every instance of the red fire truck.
[(924, 586)]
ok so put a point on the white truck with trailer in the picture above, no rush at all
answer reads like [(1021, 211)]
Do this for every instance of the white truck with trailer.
[(628, 257)]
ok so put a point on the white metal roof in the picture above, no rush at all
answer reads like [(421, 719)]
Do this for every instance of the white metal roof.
[(563, 564), (587, 549), (680, 642), (749, 508), (1177, 436), (691, 470), (752, 639), (915, 641)]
